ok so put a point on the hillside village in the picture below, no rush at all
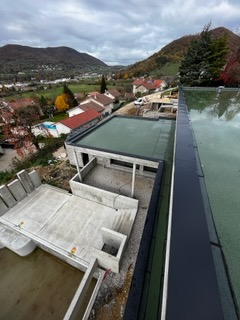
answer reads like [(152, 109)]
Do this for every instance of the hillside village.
[(89, 110)]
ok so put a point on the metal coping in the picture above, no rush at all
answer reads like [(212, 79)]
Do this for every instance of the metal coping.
[(192, 288), (72, 140), (132, 308), (210, 88)]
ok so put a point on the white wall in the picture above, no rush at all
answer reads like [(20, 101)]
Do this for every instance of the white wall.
[(75, 111), (62, 129)]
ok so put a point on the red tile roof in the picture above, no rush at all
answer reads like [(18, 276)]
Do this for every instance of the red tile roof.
[(91, 106), (80, 119), (115, 93), (138, 82), (102, 99), (21, 102), (158, 83), (148, 83)]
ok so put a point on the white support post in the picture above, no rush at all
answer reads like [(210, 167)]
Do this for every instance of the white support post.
[(77, 164), (133, 179)]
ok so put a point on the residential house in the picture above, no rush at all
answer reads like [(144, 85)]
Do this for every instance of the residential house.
[(21, 102), (105, 102), (113, 94), (74, 111), (147, 86), (92, 106), (96, 101), (83, 120), (85, 106)]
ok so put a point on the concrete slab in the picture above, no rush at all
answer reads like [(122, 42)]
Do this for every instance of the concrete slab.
[(51, 216), (78, 224), (36, 209)]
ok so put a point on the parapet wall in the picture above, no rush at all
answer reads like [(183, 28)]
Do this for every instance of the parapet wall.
[(103, 197)]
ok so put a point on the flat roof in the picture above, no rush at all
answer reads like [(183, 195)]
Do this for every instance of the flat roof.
[(138, 136)]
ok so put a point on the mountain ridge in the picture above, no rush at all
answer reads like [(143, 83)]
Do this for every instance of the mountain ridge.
[(175, 50), (16, 58)]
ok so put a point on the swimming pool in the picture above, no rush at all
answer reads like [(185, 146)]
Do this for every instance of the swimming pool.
[(215, 118)]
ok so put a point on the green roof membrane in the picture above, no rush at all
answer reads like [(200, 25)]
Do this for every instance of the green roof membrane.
[(142, 137), (215, 117)]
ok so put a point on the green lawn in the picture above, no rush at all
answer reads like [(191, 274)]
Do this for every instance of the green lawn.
[(56, 91), (170, 69), (58, 117)]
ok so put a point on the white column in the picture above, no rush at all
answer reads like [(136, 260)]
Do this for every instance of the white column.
[(77, 164), (133, 179)]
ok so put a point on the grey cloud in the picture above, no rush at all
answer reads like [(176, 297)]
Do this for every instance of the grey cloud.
[(110, 30)]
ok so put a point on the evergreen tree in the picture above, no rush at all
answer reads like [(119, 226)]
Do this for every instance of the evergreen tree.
[(204, 59), (69, 98), (103, 86)]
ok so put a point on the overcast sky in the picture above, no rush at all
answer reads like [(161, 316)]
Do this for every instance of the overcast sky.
[(114, 31)]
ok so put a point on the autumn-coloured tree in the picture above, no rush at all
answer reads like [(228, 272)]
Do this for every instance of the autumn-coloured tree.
[(231, 72), (18, 128), (61, 104)]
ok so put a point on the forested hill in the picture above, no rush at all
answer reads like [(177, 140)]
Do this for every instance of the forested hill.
[(174, 52), (16, 58)]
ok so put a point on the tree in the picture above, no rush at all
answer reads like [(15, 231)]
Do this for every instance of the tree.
[(231, 72), (60, 103), (18, 128), (103, 86), (69, 97), (204, 59)]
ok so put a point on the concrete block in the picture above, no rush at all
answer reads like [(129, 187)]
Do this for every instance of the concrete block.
[(35, 179), (3, 207), (112, 238), (7, 197), (106, 260), (17, 190), (26, 181)]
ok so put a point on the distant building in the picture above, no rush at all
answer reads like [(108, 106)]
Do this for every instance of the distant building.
[(96, 101), (147, 86), (91, 105), (113, 94)]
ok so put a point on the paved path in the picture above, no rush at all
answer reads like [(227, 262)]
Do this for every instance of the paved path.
[(6, 159)]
